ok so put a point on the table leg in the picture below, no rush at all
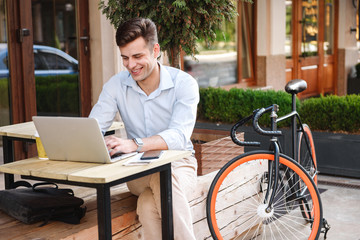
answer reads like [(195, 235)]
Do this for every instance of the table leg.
[(8, 158), (104, 211), (166, 204)]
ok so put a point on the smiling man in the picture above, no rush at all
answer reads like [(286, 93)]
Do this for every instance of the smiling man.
[(158, 107)]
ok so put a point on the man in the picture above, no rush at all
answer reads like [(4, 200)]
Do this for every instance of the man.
[(158, 107)]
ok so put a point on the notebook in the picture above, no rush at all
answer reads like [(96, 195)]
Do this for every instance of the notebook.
[(74, 139)]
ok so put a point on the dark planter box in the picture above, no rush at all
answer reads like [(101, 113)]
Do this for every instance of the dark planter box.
[(337, 153)]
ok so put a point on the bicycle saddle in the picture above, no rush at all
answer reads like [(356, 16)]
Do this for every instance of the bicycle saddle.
[(295, 86)]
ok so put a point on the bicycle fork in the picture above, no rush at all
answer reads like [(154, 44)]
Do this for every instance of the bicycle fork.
[(273, 168), (273, 177)]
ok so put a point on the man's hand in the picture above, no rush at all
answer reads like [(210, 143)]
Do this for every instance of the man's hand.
[(115, 145)]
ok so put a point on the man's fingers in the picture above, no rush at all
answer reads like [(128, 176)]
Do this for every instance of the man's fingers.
[(111, 142)]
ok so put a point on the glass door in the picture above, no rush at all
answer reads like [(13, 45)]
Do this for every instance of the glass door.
[(309, 44), (310, 47), (309, 30), (56, 57), (47, 61)]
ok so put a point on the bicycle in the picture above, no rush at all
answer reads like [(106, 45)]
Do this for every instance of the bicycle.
[(265, 194)]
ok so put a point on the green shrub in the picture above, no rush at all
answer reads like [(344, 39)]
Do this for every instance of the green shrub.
[(219, 105), (332, 113), (54, 94)]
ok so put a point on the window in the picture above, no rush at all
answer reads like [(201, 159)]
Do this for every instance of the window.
[(309, 21), (217, 64), (289, 29), (329, 28)]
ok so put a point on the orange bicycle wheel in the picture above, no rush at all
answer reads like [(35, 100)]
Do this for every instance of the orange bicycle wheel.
[(306, 156), (307, 159), (237, 208)]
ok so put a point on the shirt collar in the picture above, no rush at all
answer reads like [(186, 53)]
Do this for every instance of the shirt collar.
[(165, 80)]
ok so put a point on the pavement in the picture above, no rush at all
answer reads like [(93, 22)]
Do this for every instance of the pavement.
[(340, 198)]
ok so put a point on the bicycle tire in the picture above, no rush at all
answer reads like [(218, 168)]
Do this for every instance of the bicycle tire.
[(308, 162), (304, 157), (240, 216)]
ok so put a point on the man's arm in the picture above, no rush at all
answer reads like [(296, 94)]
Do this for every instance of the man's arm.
[(105, 109), (116, 144), (181, 126)]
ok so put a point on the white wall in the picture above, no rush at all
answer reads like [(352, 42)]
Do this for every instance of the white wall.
[(347, 19), (262, 28), (271, 24), (105, 58), (271, 35)]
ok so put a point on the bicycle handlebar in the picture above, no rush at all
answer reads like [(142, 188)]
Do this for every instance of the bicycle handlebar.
[(256, 126), (234, 137), (255, 116)]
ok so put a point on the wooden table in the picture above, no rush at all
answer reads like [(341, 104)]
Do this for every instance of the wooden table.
[(25, 132), (102, 177)]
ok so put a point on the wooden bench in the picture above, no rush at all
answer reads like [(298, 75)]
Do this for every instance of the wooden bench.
[(125, 224)]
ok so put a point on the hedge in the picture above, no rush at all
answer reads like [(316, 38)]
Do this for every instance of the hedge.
[(54, 95), (330, 113), (219, 105), (58, 95)]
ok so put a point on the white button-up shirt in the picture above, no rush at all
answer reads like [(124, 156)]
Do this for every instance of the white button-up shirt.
[(169, 111)]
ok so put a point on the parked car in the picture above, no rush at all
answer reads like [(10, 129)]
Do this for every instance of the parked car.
[(213, 70), (48, 61)]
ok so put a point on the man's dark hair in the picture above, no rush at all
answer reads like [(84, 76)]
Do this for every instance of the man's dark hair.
[(134, 28)]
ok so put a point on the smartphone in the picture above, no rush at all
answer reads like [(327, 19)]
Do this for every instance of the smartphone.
[(153, 154)]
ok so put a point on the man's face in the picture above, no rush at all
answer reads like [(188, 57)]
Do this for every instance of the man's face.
[(138, 59)]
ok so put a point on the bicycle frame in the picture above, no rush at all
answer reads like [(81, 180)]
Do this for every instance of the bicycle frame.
[(294, 115), (273, 168)]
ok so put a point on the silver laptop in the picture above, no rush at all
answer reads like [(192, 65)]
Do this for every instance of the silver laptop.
[(74, 139)]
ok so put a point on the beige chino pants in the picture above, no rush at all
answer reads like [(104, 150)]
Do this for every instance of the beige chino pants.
[(149, 203)]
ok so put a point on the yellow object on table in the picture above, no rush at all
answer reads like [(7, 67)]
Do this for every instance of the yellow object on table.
[(40, 149)]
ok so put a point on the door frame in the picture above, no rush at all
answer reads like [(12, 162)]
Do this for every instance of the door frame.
[(83, 40), (21, 70)]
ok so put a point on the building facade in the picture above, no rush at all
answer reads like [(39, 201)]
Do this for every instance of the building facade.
[(268, 44)]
